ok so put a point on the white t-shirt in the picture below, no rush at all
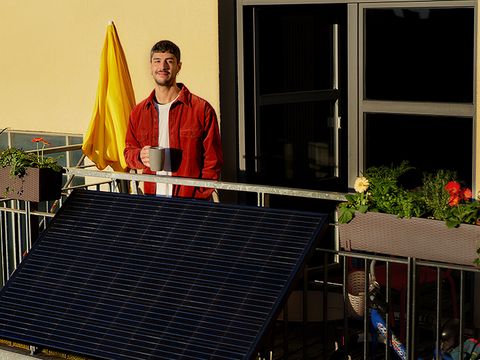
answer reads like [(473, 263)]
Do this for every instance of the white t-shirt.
[(164, 141)]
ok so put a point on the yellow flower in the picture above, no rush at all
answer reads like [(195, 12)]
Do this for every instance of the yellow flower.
[(361, 184)]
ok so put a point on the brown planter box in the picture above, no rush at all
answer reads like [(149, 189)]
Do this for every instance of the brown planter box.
[(419, 238), (36, 185)]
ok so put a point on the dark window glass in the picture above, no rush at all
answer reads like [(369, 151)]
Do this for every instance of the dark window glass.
[(76, 155), (24, 140), (419, 54), (289, 95), (427, 142), (296, 144), (3, 141), (294, 48)]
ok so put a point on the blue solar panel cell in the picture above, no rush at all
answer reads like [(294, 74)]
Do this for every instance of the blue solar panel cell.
[(118, 276)]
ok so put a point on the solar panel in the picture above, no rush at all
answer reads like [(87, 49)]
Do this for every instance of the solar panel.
[(119, 276)]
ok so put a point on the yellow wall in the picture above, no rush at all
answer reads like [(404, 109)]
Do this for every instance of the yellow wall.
[(50, 54)]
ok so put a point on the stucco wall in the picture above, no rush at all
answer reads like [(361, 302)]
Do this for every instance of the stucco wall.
[(50, 54)]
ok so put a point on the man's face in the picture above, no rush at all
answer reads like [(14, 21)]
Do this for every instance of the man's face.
[(165, 67)]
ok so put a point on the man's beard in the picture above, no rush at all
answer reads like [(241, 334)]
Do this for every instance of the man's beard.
[(165, 82)]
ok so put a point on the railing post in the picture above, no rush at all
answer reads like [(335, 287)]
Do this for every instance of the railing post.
[(31, 226), (410, 304), (28, 231), (260, 199), (3, 241)]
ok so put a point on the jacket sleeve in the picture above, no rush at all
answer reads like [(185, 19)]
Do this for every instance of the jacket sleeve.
[(132, 145)]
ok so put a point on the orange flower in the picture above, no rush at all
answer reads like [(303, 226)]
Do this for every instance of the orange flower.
[(454, 200), (453, 187), (457, 194), (467, 194), (40, 151), (40, 139)]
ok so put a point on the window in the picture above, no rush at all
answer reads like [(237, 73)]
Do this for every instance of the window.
[(326, 90), (419, 54), (416, 88), (23, 140), (429, 142), (295, 71)]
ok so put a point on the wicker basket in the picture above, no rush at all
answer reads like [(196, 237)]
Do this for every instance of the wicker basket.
[(417, 238), (355, 302)]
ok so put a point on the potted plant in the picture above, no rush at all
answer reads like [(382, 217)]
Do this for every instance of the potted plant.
[(434, 220), (29, 176)]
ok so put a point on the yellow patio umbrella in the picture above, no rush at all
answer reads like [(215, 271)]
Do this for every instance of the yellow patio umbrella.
[(104, 141)]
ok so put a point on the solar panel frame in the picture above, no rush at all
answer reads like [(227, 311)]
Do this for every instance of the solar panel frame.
[(119, 276)]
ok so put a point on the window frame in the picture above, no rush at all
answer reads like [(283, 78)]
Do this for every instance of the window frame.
[(409, 107)]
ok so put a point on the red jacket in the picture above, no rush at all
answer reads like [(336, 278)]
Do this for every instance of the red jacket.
[(194, 141)]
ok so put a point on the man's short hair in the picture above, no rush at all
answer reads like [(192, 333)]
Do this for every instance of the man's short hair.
[(165, 46)]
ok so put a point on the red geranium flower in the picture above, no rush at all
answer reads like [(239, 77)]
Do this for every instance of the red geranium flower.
[(454, 200), (40, 151), (453, 187), (40, 139), (467, 194), (457, 194)]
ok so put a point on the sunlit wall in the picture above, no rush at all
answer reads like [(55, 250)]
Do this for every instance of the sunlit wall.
[(50, 54)]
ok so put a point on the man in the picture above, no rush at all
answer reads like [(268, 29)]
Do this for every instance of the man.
[(179, 121)]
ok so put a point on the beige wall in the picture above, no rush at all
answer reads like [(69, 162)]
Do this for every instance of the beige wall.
[(50, 54)]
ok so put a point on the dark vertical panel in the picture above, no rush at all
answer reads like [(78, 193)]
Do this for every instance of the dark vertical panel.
[(228, 87)]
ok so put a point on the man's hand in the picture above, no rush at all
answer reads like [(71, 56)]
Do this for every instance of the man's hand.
[(145, 155)]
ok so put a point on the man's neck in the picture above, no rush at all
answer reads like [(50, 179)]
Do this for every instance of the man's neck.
[(166, 94)]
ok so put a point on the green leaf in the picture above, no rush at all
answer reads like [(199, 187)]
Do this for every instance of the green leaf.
[(453, 223), (363, 209), (477, 260), (345, 215), (351, 197)]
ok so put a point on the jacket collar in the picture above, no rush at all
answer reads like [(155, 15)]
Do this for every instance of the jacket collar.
[(183, 96)]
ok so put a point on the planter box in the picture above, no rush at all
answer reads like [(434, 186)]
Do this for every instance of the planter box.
[(36, 185), (419, 238)]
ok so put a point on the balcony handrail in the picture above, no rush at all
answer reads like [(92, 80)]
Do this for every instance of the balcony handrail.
[(57, 149), (222, 185), (82, 171)]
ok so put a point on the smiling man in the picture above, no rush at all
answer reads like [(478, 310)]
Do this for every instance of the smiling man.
[(179, 121)]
